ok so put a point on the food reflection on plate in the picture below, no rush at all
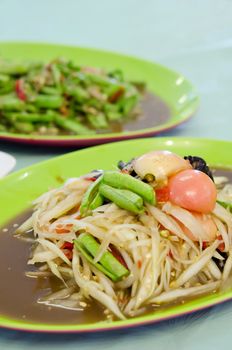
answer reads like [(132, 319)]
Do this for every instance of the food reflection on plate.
[(118, 244)]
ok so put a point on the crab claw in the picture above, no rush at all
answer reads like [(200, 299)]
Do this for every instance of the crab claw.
[(160, 164)]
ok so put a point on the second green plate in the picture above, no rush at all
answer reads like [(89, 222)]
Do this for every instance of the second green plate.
[(177, 99)]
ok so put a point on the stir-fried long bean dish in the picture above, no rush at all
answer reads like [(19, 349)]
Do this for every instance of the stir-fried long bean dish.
[(64, 98), (155, 231)]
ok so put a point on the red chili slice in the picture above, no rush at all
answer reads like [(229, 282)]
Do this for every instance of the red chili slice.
[(221, 246), (116, 95), (68, 253), (117, 255), (67, 245), (19, 89), (90, 179)]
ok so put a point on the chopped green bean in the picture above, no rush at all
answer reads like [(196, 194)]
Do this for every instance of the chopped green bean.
[(25, 128), (48, 101), (56, 74), (2, 128), (125, 181), (89, 258), (98, 121), (127, 104), (97, 79), (31, 117), (48, 90), (7, 87), (227, 205), (12, 68), (79, 94), (113, 116), (96, 202), (107, 264), (11, 103), (4, 78), (117, 74), (90, 197), (123, 198), (72, 125)]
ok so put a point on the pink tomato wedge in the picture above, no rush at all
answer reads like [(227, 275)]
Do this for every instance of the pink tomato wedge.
[(193, 190)]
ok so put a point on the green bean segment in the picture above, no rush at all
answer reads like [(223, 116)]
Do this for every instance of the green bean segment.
[(227, 205), (31, 117), (45, 101), (125, 181), (90, 197), (96, 202), (107, 264), (72, 125), (11, 103), (123, 198)]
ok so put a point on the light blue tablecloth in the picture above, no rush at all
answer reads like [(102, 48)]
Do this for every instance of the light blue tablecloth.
[(193, 37)]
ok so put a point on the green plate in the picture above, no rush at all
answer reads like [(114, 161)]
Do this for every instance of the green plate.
[(176, 101), (19, 189)]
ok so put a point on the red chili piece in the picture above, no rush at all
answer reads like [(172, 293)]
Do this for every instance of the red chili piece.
[(117, 255), (19, 89)]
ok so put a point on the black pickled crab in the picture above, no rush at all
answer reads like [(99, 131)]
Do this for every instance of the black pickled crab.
[(199, 164)]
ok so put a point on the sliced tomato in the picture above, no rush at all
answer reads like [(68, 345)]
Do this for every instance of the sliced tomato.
[(193, 190)]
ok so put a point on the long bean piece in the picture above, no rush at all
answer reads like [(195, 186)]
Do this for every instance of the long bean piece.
[(125, 181)]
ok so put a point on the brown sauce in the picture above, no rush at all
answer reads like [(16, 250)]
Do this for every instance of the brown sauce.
[(19, 294), (154, 112)]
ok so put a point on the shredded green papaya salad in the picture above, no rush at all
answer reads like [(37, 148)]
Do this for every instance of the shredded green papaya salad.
[(61, 97), (155, 231)]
